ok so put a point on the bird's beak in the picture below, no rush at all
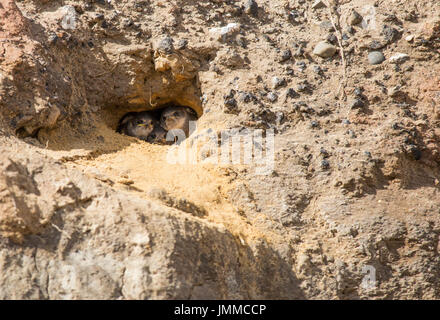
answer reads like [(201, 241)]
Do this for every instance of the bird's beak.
[(141, 125)]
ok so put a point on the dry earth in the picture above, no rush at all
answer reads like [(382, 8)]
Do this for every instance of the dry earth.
[(88, 213)]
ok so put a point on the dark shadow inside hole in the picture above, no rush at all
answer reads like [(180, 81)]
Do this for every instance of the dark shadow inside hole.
[(155, 125)]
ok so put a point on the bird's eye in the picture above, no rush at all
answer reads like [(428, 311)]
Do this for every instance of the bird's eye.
[(139, 122)]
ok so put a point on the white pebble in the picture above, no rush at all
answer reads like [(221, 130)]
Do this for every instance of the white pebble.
[(399, 58)]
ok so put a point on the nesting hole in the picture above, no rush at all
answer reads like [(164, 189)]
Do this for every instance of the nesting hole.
[(114, 116)]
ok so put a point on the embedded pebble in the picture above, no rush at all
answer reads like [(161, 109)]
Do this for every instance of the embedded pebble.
[(52, 38), (376, 57), (331, 38), (324, 50), (231, 106), (301, 65), (181, 44), (68, 21), (318, 4), (358, 92), (166, 45), (354, 18), (327, 25), (292, 93), (409, 38), (389, 34), (225, 31), (279, 117), (317, 69), (302, 87), (399, 58), (272, 96), (375, 45), (357, 104), (251, 7), (278, 82), (246, 97), (299, 52), (286, 55)]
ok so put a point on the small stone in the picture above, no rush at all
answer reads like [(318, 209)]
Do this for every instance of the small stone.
[(375, 45), (272, 96), (314, 124), (376, 57), (138, 7), (98, 17), (409, 38), (390, 34), (68, 21), (166, 45), (395, 91), (52, 38), (352, 134), (294, 16), (79, 9), (286, 55), (231, 106), (302, 65), (241, 41), (399, 58), (325, 164), (318, 4), (127, 23), (223, 32), (279, 118), (230, 94), (278, 82), (245, 97), (358, 91), (292, 93), (332, 38), (346, 121), (231, 102), (299, 52), (357, 104), (251, 7), (317, 69), (324, 50), (415, 152), (327, 26), (302, 87), (181, 44), (354, 18)]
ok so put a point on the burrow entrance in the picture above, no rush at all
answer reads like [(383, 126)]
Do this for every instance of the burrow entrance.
[(153, 121), (111, 116)]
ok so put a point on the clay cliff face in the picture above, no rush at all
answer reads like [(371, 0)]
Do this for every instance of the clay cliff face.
[(349, 208)]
